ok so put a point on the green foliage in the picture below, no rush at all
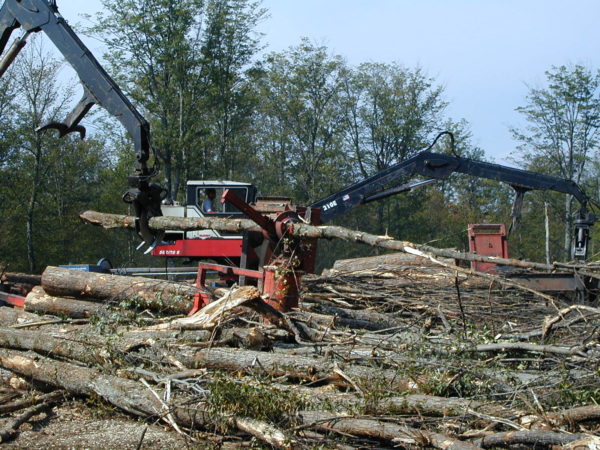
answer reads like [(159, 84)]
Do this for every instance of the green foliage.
[(301, 123), (262, 402), (561, 136)]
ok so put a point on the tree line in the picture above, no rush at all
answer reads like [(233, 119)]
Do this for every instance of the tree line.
[(301, 123)]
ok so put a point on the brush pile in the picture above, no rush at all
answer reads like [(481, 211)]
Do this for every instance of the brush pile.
[(392, 354)]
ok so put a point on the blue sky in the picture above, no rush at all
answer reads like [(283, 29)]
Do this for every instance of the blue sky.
[(485, 52)]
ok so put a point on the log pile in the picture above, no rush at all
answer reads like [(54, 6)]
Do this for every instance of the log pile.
[(393, 353)]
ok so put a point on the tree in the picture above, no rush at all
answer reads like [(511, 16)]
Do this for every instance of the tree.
[(301, 124), (36, 76), (154, 53), (183, 61), (561, 135), (229, 44), (390, 113)]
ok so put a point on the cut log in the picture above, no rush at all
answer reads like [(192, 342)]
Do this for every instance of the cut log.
[(300, 367), (37, 301), (21, 278), (164, 296), (381, 430), (540, 438), (381, 261), (128, 395), (316, 232), (12, 316), (94, 353)]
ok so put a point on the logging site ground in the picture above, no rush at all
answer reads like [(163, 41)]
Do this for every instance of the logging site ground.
[(390, 351)]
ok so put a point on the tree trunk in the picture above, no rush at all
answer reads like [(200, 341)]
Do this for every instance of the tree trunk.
[(568, 227), (164, 296), (547, 229), (32, 203), (37, 301)]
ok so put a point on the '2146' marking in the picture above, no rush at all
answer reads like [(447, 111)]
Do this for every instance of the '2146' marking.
[(330, 205)]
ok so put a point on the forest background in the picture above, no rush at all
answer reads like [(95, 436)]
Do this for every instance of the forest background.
[(301, 122)]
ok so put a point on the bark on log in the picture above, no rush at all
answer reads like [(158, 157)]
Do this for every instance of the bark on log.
[(530, 438), (50, 345), (301, 367), (22, 278), (309, 231), (12, 316), (381, 430), (363, 319), (37, 301), (164, 296), (128, 395), (380, 262), (576, 415), (535, 348)]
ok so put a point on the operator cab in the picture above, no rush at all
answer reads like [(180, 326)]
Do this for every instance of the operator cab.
[(197, 194)]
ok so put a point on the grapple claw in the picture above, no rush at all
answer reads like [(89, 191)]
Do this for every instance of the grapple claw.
[(146, 200)]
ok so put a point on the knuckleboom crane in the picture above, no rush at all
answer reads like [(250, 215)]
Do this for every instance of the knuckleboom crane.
[(33, 16), (99, 89)]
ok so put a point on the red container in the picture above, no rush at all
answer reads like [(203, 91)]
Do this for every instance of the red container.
[(487, 240)]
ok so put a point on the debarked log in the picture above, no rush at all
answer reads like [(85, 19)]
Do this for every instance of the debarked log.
[(158, 295), (38, 301)]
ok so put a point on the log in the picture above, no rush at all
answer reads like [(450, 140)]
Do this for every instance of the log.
[(164, 296), (12, 316), (541, 438), (21, 278), (127, 395), (93, 353), (302, 367), (535, 348), (314, 232), (380, 262), (381, 430), (37, 301)]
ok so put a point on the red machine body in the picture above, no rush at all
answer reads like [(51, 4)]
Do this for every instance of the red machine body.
[(487, 240)]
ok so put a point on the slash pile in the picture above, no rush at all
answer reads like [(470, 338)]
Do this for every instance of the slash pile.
[(393, 356)]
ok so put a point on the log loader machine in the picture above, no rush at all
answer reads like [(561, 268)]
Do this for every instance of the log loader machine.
[(255, 254), (33, 16)]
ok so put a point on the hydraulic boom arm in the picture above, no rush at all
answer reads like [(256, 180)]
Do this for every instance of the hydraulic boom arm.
[(435, 166), (98, 89)]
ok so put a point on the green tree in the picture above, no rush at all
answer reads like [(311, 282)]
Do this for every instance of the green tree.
[(390, 113), (154, 52), (561, 135), (301, 124), (229, 44), (184, 62), (36, 76)]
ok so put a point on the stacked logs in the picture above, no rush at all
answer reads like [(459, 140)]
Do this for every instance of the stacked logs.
[(385, 357)]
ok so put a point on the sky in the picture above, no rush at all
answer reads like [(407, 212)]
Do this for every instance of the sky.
[(484, 52)]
